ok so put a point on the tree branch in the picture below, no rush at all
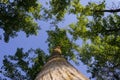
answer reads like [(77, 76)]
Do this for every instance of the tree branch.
[(111, 10)]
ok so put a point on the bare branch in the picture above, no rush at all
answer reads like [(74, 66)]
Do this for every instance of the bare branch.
[(111, 10)]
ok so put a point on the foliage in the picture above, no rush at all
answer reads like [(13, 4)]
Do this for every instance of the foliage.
[(23, 65), (58, 37), (19, 15), (104, 48), (101, 36), (99, 31), (56, 11), (59, 7)]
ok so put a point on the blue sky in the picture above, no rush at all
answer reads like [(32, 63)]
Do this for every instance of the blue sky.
[(39, 41)]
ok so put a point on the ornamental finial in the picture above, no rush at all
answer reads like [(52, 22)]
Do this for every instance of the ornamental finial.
[(57, 51)]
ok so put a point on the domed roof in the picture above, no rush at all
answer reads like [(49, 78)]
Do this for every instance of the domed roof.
[(57, 68)]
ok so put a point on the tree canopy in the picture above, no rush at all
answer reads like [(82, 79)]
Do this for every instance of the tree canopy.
[(23, 65), (97, 26), (19, 15), (101, 36)]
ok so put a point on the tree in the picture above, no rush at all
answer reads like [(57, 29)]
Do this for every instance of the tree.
[(19, 15), (58, 37), (100, 34), (26, 65), (99, 31), (23, 65), (103, 49)]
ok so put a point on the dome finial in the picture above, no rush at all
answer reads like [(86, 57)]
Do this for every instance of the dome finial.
[(57, 50)]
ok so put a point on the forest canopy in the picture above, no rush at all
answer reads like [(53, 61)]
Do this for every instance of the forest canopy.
[(97, 26)]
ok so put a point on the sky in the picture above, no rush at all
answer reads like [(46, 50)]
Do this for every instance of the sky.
[(39, 41)]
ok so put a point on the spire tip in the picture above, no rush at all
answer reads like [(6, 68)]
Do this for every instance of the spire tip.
[(57, 50)]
